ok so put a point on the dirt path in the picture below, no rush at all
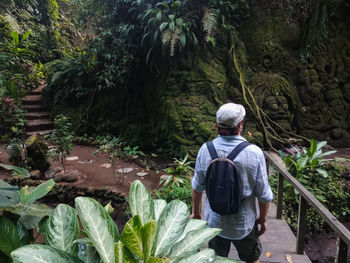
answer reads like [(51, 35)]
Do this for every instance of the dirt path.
[(95, 176)]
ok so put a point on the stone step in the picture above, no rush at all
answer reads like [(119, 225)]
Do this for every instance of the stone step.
[(34, 92), (44, 132), (38, 125), (32, 100), (37, 115), (35, 108)]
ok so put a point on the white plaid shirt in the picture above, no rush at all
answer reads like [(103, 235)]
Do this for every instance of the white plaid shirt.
[(252, 169)]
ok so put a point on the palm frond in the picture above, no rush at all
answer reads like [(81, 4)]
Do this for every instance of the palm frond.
[(209, 21)]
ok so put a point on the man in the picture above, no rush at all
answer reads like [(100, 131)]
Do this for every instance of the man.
[(242, 228)]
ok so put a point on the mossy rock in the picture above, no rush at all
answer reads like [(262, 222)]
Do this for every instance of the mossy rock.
[(37, 153)]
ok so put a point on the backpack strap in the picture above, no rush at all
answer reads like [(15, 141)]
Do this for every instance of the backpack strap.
[(212, 150), (237, 150)]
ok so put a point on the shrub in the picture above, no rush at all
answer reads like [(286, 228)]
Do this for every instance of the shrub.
[(11, 117), (62, 138), (318, 175)]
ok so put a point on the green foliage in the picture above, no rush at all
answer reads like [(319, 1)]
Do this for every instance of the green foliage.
[(177, 183), (320, 177), (316, 31), (62, 138), (20, 214), (307, 161), (16, 151), (170, 21), (157, 232), (16, 170), (172, 192), (178, 175), (11, 117)]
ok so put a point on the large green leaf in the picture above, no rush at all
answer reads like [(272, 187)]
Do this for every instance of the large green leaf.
[(118, 251), (129, 257), (171, 224), (193, 241), (9, 195), (96, 222), (320, 145), (42, 254), (86, 252), (158, 260), (131, 236), (9, 237), (31, 214), (31, 194), (25, 235), (16, 170), (313, 148), (193, 224), (205, 256), (159, 205), (148, 233), (62, 229), (141, 202)]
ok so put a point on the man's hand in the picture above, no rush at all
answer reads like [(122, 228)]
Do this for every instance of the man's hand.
[(263, 226), (196, 216), (263, 209)]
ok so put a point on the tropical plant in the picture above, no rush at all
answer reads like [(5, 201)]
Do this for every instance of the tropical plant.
[(307, 160), (179, 174), (320, 177), (21, 213), (157, 232), (62, 137)]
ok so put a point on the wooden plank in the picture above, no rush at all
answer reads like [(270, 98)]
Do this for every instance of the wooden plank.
[(301, 225), (338, 227)]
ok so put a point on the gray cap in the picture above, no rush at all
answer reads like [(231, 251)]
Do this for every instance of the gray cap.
[(230, 115)]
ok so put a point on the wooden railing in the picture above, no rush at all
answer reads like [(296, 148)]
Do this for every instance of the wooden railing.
[(307, 199)]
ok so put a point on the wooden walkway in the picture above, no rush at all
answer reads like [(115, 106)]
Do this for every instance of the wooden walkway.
[(278, 242)]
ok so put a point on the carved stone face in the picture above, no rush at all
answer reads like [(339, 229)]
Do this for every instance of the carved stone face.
[(277, 106), (277, 98)]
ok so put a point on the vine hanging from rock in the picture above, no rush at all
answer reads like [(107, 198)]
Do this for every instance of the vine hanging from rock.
[(271, 135)]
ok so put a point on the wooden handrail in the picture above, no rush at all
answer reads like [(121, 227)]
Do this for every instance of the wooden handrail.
[(342, 232)]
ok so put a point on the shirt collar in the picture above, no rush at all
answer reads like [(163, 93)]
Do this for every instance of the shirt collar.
[(232, 137)]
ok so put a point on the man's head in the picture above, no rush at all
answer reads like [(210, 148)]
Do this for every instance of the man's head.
[(229, 119)]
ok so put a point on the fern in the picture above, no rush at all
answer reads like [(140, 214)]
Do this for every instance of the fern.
[(171, 38), (209, 22)]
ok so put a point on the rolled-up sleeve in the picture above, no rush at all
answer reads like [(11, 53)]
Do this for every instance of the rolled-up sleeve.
[(198, 180), (262, 189)]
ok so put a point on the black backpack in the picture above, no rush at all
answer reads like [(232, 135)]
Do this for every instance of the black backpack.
[(223, 182)]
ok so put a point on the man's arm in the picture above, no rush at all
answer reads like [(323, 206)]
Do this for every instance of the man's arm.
[(263, 208), (196, 201)]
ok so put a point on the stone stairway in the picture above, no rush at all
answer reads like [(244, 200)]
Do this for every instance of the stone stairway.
[(37, 115)]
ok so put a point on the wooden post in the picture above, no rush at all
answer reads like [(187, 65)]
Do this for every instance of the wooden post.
[(267, 167), (342, 251), (301, 225), (279, 196)]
